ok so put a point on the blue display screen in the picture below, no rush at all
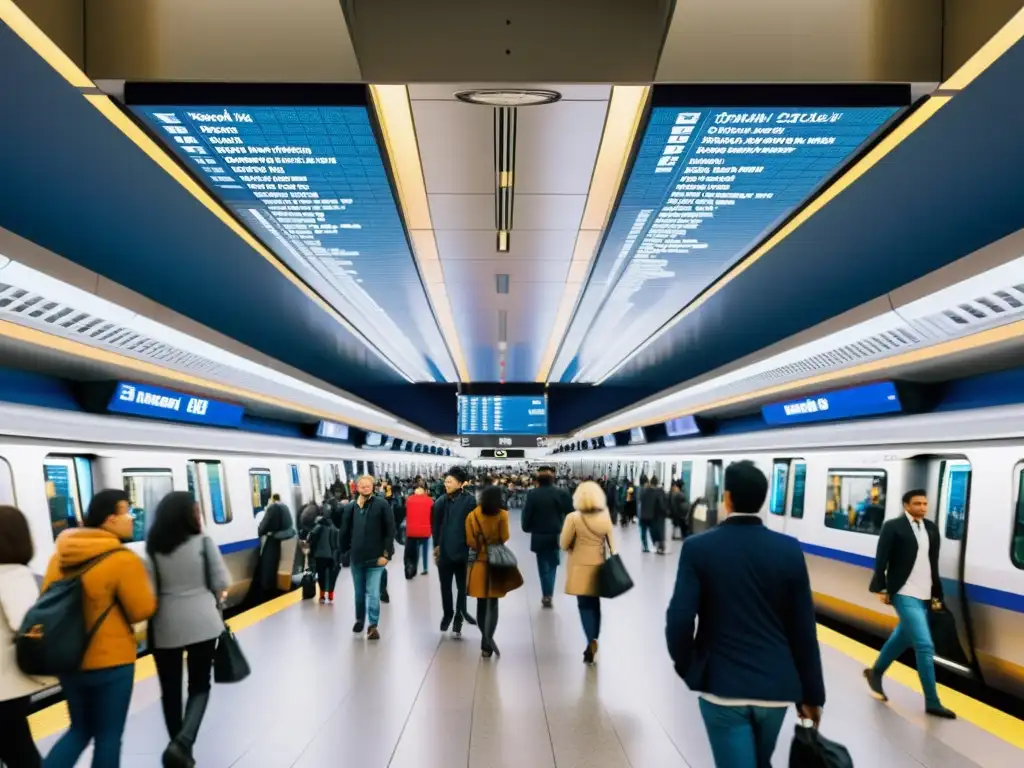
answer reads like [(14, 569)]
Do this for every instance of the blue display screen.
[(707, 185), (868, 400), (683, 426), (609, 441), (637, 436), (311, 183), (503, 414), (159, 403)]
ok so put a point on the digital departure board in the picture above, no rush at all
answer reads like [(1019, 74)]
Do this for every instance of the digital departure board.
[(300, 166), (161, 403), (707, 184), (503, 414), (868, 400)]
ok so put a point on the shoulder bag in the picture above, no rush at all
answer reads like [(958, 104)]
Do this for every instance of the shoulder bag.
[(229, 663), (498, 555), (612, 577)]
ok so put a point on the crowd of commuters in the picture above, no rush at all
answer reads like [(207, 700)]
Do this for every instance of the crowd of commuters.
[(740, 626)]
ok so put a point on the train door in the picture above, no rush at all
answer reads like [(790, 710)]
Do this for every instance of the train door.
[(318, 483), (947, 480), (712, 496), (206, 484), (778, 495), (296, 487)]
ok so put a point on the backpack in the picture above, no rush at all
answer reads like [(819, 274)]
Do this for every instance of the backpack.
[(53, 638)]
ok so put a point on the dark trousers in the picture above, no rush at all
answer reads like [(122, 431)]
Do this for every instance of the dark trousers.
[(547, 567), (98, 704), (17, 749), (446, 572), (170, 667), (487, 618), (326, 574), (590, 616), (646, 534)]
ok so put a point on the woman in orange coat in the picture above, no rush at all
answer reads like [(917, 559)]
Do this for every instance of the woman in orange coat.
[(488, 524)]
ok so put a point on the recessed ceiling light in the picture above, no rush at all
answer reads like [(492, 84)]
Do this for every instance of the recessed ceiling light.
[(508, 97)]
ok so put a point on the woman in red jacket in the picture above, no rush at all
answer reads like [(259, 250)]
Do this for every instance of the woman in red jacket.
[(418, 509)]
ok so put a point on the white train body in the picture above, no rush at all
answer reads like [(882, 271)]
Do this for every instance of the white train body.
[(969, 462)]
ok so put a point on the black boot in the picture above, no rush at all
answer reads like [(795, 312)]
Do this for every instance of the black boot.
[(179, 752)]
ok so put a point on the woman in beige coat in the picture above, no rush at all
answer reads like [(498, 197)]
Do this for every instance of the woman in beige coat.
[(583, 536)]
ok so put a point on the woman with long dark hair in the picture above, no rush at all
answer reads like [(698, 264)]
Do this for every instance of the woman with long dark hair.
[(191, 581), (487, 525)]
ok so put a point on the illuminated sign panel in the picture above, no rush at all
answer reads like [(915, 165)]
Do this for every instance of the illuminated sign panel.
[(609, 441), (684, 426), (301, 168), (868, 400), (708, 183), (637, 436), (503, 414), (160, 403), (332, 430)]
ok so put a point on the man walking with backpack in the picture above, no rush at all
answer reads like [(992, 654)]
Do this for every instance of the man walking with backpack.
[(93, 592)]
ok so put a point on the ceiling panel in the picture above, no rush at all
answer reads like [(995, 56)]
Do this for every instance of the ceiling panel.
[(484, 272), (557, 146), (456, 146), (528, 244), (451, 211)]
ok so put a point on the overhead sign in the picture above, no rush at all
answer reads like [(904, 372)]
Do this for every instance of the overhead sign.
[(683, 426), (373, 440), (300, 166), (855, 402), (500, 453), (709, 181), (503, 414), (637, 436), (609, 441), (503, 441), (332, 430), (160, 403)]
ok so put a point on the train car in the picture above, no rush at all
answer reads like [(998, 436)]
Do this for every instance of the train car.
[(832, 486), (51, 463)]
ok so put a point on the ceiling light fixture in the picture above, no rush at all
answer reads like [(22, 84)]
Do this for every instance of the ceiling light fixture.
[(505, 122), (508, 97)]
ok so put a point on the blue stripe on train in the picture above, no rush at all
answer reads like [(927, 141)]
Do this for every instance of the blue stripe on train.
[(976, 593), (239, 546)]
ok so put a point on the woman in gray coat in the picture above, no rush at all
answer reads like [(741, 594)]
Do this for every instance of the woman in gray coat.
[(191, 581)]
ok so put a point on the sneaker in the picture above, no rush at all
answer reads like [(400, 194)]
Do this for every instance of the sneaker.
[(423, 573), (323, 598), (330, 597), (357, 628), (372, 633), (445, 623), (545, 602), (875, 684), (590, 652), (941, 711)]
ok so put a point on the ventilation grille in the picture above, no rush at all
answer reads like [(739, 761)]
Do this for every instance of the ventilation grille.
[(1000, 306), (30, 308), (869, 348)]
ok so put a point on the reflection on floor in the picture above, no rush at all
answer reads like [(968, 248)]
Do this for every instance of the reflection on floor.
[(321, 696)]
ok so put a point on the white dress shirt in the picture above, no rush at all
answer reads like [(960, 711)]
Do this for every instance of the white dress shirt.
[(919, 584)]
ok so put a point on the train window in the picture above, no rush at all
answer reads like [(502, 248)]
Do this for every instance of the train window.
[(855, 500), (6, 483), (259, 488), (1017, 544), (799, 489), (206, 484), (318, 483), (145, 488), (953, 493), (62, 495), (780, 487), (685, 473), (294, 470)]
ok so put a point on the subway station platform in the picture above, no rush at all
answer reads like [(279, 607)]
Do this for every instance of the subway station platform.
[(321, 696)]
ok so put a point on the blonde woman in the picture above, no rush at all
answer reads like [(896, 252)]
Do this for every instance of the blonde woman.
[(583, 536)]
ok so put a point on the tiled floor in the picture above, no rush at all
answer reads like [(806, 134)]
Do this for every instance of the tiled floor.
[(320, 696)]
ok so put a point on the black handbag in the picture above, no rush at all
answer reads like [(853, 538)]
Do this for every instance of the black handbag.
[(612, 577), (229, 663), (812, 750), (498, 555), (942, 624)]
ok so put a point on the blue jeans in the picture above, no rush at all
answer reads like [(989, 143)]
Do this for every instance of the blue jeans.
[(742, 737), (547, 567), (366, 582), (645, 534), (913, 631), (98, 704), (425, 552), (590, 616)]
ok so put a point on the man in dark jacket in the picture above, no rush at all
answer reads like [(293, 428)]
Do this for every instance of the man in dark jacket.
[(679, 507), (653, 511), (907, 578), (756, 650), (448, 526), (368, 535), (546, 509)]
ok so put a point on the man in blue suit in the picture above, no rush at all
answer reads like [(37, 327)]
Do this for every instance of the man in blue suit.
[(756, 649)]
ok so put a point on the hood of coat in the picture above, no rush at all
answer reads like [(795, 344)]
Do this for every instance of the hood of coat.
[(77, 545)]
